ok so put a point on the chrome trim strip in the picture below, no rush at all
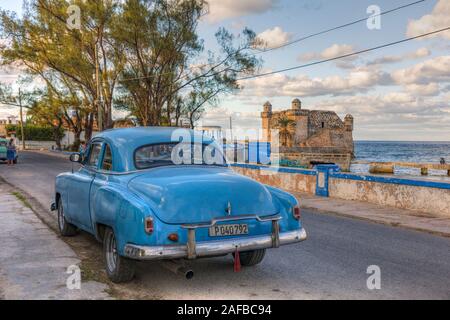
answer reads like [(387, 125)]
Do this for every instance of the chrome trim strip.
[(212, 248), (232, 218), (117, 173)]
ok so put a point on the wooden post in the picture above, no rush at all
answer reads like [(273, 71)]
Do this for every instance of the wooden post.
[(448, 172), (424, 171)]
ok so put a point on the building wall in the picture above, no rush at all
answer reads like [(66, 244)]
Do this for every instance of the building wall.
[(3, 130), (301, 130)]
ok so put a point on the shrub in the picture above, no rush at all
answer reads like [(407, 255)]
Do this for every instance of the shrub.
[(34, 133)]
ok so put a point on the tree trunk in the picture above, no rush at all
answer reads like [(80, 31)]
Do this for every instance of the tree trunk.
[(77, 141), (57, 137), (89, 124)]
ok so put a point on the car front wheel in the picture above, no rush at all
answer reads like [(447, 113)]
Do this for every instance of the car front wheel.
[(118, 269), (66, 229), (252, 258)]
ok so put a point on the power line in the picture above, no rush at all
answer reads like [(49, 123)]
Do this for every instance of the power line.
[(339, 27), (343, 56), (292, 42)]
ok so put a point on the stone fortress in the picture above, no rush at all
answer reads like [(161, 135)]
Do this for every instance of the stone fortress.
[(314, 136)]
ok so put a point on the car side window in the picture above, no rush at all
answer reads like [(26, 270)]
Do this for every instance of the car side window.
[(107, 164), (94, 155)]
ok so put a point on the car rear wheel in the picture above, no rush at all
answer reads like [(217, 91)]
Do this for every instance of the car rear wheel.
[(118, 269), (252, 258), (66, 229)]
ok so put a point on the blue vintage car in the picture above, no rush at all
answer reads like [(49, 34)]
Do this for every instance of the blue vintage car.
[(154, 194)]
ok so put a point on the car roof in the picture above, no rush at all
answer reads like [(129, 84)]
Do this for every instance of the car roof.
[(124, 142)]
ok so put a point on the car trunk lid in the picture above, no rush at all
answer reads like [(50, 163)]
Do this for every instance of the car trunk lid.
[(199, 194)]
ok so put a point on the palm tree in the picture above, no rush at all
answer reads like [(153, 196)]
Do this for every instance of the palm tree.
[(285, 127)]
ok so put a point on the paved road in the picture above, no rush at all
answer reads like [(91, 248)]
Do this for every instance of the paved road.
[(331, 264)]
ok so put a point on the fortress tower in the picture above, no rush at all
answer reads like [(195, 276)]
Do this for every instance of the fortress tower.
[(348, 122), (296, 104), (266, 119)]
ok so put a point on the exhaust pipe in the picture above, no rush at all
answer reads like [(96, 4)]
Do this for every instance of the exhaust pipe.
[(178, 267)]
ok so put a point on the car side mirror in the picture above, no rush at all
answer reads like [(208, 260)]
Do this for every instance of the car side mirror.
[(76, 157)]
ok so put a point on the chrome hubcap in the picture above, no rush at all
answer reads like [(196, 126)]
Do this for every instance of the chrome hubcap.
[(111, 254)]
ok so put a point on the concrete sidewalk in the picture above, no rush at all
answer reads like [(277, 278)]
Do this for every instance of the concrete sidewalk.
[(376, 213), (33, 260)]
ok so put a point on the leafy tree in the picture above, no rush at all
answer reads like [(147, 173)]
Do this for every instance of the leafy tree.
[(164, 61), (67, 59), (143, 56), (285, 127), (47, 112)]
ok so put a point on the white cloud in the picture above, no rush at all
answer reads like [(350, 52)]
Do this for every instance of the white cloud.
[(360, 79), (430, 89), (241, 120), (439, 18), (334, 51), (394, 116), (274, 37), (225, 9), (419, 53), (424, 79), (432, 70)]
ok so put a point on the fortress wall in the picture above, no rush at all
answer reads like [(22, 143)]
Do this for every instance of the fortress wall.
[(305, 158)]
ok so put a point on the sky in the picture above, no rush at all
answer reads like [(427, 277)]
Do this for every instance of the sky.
[(397, 93)]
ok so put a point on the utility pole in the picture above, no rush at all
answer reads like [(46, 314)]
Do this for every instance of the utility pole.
[(98, 100), (21, 120), (231, 128)]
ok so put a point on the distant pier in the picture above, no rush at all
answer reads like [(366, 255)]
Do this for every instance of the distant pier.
[(388, 167)]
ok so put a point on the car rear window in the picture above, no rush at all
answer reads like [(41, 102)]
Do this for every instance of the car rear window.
[(167, 154)]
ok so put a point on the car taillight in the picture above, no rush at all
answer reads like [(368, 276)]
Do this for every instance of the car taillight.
[(297, 213), (149, 228)]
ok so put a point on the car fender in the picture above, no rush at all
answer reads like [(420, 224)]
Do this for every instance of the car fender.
[(116, 207), (287, 202), (61, 192)]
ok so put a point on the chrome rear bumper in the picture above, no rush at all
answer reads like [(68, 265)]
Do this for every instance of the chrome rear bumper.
[(213, 248)]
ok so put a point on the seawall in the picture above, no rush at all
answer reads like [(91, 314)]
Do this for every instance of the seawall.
[(412, 194)]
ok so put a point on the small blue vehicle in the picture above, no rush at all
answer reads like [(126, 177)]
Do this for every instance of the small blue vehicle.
[(4, 149), (168, 194)]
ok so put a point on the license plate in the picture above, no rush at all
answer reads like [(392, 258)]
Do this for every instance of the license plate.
[(226, 230)]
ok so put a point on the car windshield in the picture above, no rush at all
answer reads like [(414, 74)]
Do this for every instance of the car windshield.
[(167, 154)]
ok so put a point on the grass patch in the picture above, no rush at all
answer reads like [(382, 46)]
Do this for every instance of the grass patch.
[(22, 199), (90, 271)]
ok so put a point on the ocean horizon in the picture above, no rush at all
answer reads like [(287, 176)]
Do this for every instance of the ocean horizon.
[(401, 151)]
